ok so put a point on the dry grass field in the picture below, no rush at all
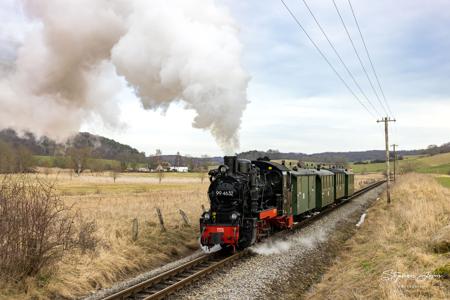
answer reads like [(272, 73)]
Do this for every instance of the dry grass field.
[(364, 180), (397, 253), (113, 206)]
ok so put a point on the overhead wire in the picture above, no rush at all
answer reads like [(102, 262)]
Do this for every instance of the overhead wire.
[(325, 57), (368, 56), (339, 56), (357, 55)]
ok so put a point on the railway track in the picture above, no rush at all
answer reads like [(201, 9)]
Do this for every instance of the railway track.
[(166, 283), (172, 280)]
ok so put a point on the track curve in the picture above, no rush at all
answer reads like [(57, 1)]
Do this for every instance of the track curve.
[(167, 283)]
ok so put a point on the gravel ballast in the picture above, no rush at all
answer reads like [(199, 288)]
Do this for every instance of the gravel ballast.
[(286, 266)]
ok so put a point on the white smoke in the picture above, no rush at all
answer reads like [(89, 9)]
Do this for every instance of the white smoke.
[(74, 62), (304, 241), (270, 247)]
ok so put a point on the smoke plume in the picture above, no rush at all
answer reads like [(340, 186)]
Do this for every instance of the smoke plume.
[(71, 66)]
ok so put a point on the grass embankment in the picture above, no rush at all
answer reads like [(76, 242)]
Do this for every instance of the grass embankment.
[(113, 206), (436, 164), (444, 181), (394, 254)]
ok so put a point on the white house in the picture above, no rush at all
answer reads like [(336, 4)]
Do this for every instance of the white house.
[(179, 169)]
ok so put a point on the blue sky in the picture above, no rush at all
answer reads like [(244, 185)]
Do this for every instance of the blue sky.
[(296, 102)]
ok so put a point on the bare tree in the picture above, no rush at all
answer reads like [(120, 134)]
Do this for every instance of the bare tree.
[(160, 175), (178, 159), (79, 157), (123, 165), (115, 173), (96, 166), (7, 158), (202, 176), (24, 159), (432, 150), (152, 162), (158, 154)]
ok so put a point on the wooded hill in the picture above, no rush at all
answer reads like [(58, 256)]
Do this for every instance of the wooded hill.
[(100, 147), (20, 153), (338, 157), (103, 148)]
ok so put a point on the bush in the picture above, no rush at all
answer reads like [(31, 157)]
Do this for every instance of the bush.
[(36, 227), (15, 159), (87, 241)]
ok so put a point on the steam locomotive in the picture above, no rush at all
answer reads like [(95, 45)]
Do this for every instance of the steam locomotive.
[(249, 200)]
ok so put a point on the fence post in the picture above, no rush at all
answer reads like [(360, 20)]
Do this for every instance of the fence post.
[(135, 229), (184, 217), (161, 220)]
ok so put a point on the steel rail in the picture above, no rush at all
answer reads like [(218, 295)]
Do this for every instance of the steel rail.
[(170, 281)]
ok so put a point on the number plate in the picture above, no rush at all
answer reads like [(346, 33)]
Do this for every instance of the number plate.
[(224, 193)]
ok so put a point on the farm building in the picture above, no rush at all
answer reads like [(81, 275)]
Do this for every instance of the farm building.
[(179, 169)]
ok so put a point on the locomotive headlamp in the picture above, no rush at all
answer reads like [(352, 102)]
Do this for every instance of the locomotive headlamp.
[(234, 216), (223, 169), (207, 216)]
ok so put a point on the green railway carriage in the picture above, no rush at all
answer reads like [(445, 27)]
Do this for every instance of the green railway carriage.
[(324, 188), (303, 191), (339, 183), (349, 183)]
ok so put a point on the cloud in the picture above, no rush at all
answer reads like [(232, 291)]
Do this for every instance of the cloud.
[(80, 51), (298, 104)]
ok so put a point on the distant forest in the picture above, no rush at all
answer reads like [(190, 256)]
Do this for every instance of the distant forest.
[(338, 157), (20, 153)]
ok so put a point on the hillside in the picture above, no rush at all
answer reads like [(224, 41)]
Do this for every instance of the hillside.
[(332, 157), (438, 164), (104, 148), (101, 153), (100, 147)]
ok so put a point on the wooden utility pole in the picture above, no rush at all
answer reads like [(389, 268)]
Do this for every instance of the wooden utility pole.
[(395, 158), (386, 121)]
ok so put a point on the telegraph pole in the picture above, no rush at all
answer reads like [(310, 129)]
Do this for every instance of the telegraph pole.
[(386, 121), (395, 157)]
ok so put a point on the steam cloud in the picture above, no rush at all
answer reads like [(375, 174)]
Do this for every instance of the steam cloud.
[(72, 64)]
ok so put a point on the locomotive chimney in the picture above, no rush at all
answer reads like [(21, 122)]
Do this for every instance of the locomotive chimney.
[(231, 163)]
